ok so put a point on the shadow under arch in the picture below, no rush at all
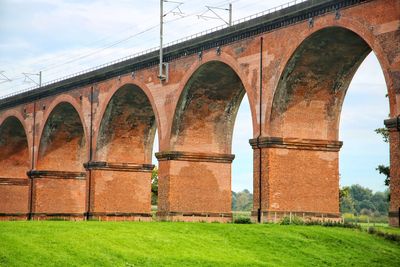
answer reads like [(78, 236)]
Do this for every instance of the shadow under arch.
[(62, 142), (120, 175), (127, 128), (312, 87), (14, 156), (205, 113)]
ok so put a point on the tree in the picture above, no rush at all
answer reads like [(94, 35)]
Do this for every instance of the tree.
[(346, 201), (361, 200), (154, 186), (242, 201), (234, 200), (383, 169)]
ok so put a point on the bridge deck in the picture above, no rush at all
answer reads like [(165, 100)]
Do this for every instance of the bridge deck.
[(269, 22)]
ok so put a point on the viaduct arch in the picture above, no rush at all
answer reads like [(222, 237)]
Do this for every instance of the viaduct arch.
[(14, 161), (295, 66)]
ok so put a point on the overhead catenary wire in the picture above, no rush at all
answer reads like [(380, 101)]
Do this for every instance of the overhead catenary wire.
[(116, 43), (181, 14), (51, 73)]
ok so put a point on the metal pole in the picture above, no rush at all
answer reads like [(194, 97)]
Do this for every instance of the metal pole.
[(89, 185), (31, 184), (40, 78), (259, 215), (230, 14), (161, 38)]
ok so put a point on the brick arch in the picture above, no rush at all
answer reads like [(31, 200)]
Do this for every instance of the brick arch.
[(17, 114), (351, 23), (14, 147), (64, 98), (127, 126), (63, 142), (209, 97), (310, 92)]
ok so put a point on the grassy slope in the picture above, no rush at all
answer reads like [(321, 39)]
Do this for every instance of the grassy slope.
[(141, 244)]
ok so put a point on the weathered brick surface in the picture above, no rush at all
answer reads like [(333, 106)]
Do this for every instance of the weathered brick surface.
[(298, 176), (13, 200), (305, 72), (394, 208), (54, 195), (121, 192), (194, 190)]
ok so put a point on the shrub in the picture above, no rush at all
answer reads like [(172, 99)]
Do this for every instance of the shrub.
[(56, 219), (294, 220), (334, 224), (385, 235), (242, 220)]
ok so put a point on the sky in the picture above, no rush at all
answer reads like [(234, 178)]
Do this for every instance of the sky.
[(63, 37)]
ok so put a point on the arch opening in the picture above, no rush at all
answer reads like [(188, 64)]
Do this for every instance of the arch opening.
[(311, 90), (14, 156), (127, 128), (62, 144), (197, 171), (207, 109)]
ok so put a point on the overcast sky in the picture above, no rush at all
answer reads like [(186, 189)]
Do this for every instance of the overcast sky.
[(66, 36)]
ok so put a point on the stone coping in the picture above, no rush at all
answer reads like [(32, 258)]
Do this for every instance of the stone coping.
[(393, 124), (116, 166), (296, 143), (195, 156), (14, 181), (34, 174)]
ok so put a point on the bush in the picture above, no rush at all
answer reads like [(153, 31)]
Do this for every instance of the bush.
[(242, 220), (334, 224), (56, 219), (385, 235), (294, 221), (349, 217)]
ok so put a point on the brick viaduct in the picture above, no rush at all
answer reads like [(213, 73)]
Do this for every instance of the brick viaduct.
[(82, 147)]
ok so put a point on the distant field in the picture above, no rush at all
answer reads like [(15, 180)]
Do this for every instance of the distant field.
[(58, 243)]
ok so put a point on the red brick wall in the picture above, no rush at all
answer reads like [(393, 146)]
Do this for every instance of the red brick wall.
[(121, 191), (57, 195), (14, 199), (194, 187), (293, 111)]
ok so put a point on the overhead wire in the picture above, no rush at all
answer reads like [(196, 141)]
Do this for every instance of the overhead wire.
[(124, 40)]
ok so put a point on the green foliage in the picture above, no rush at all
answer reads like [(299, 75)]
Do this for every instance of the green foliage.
[(189, 244), (242, 220), (384, 132), (386, 235), (154, 186), (334, 224), (242, 201), (294, 220), (374, 218), (383, 169), (55, 219), (356, 199), (346, 201)]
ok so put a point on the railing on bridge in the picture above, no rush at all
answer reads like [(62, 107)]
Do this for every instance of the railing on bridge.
[(190, 37)]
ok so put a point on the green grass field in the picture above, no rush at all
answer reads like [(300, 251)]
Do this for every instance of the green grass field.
[(58, 243)]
